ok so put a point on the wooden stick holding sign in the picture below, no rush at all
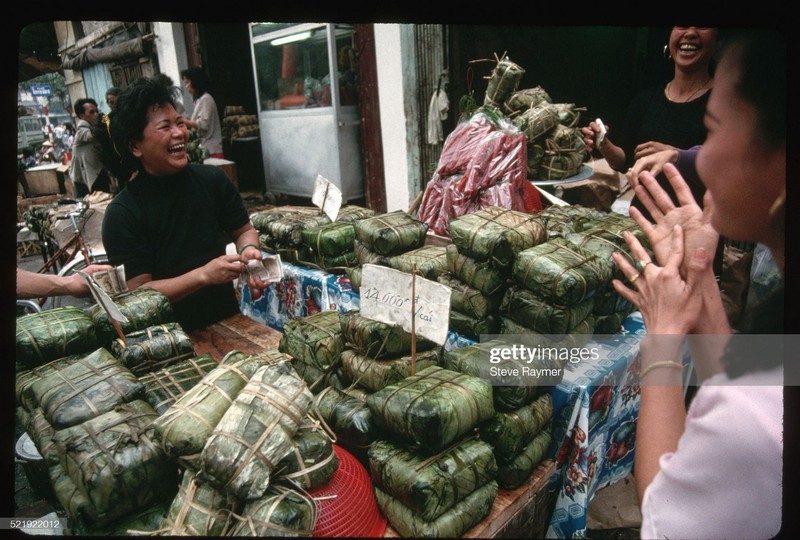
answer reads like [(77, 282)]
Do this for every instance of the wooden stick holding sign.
[(385, 297), (108, 305), (327, 197), (413, 319)]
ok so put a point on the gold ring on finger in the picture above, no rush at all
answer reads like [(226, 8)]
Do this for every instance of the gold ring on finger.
[(633, 278), (641, 265)]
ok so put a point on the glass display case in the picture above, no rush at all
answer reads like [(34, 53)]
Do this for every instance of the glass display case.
[(308, 118)]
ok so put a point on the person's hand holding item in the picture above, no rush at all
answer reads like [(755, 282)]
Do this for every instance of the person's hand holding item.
[(652, 163), (590, 133), (79, 287), (612, 153), (222, 269), (251, 255), (35, 285), (694, 221)]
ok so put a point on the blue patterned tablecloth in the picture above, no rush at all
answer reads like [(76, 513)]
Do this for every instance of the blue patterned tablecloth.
[(303, 291), (594, 427)]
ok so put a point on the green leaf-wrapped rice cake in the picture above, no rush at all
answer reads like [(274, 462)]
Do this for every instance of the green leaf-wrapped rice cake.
[(318, 379), (503, 82), (330, 239), (513, 474), (315, 340), (391, 233), (496, 234), (452, 524), (526, 307), (351, 213), (80, 511), (375, 374), (560, 273), (25, 379), (115, 462), (53, 334), (256, 431), (430, 261), (184, 428), (473, 327), (468, 300), (165, 386), (280, 512), (472, 360), (348, 417), (378, 339), (199, 509), (142, 307), (153, 348), (312, 461), (476, 274), (432, 408), (509, 432), (95, 384), (431, 486), (288, 230)]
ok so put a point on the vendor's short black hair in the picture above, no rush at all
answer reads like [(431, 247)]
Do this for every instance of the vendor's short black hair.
[(125, 124)]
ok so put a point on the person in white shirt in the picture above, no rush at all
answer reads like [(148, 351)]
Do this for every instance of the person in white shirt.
[(205, 116)]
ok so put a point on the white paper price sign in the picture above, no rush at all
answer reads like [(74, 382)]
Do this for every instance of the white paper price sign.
[(386, 297), (327, 197)]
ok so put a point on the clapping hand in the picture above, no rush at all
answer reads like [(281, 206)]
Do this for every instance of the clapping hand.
[(694, 221), (669, 303)]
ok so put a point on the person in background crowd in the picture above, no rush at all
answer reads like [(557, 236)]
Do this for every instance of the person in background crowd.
[(68, 135), (714, 471), (205, 116), (28, 158), (171, 224), (111, 96), (35, 285), (86, 169)]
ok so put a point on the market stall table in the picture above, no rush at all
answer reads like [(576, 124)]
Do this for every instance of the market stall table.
[(303, 291), (594, 409), (238, 332)]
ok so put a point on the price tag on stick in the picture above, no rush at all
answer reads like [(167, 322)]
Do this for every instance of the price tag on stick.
[(386, 296), (327, 197)]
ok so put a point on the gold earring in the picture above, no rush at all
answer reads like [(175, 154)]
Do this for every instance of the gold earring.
[(777, 206), (667, 54)]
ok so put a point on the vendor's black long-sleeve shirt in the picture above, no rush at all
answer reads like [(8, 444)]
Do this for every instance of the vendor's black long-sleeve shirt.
[(169, 225)]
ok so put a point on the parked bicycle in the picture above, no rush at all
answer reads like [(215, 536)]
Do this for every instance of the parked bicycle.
[(70, 257)]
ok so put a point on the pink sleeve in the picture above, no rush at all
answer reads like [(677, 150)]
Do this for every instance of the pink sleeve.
[(725, 478)]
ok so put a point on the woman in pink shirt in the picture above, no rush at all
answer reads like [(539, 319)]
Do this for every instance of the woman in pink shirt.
[(714, 471)]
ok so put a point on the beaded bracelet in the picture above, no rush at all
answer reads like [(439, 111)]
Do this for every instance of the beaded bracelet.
[(244, 247), (665, 363)]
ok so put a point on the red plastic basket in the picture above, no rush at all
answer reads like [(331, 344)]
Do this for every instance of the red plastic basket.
[(346, 505)]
